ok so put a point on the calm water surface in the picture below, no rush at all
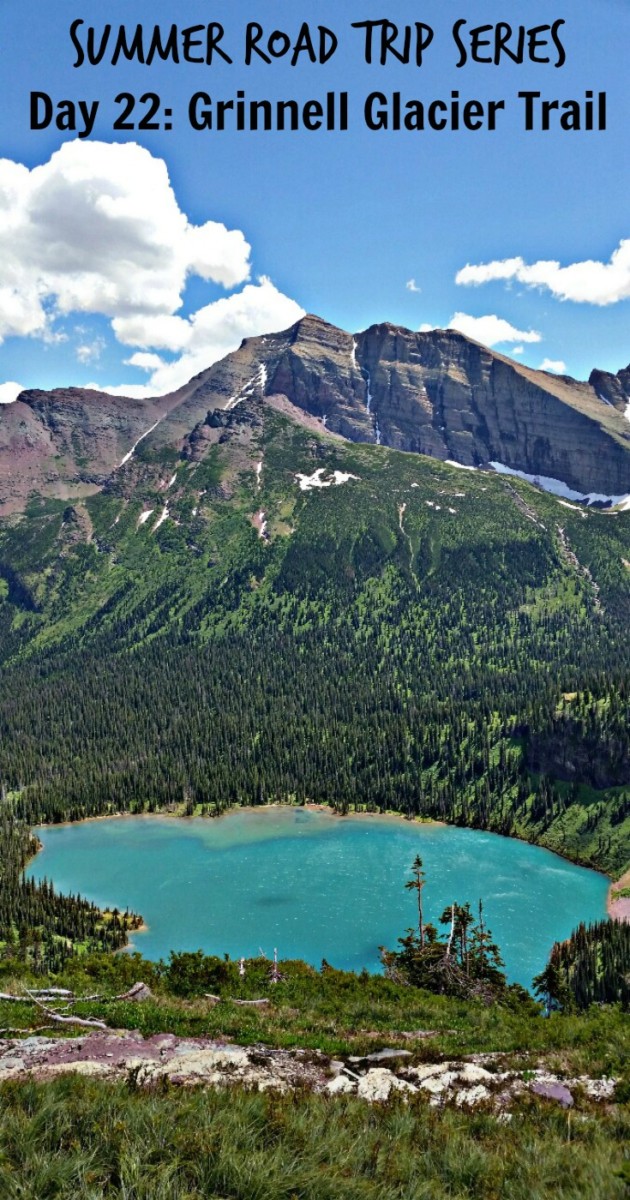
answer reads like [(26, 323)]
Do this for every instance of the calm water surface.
[(315, 885)]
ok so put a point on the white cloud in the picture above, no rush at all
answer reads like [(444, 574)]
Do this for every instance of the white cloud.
[(489, 330), (9, 392), (555, 365), (134, 391), (87, 352), (412, 286), (98, 229), (518, 349), (588, 282), (144, 360), (162, 332)]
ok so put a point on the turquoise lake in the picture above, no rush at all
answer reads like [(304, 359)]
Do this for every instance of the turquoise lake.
[(315, 885)]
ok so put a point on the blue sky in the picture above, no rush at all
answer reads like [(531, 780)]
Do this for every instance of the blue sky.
[(134, 258)]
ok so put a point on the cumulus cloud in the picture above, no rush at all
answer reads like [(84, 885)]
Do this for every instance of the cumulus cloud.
[(10, 392), (555, 365), (412, 286), (489, 330), (98, 229), (131, 391), (145, 360), (162, 332), (588, 282)]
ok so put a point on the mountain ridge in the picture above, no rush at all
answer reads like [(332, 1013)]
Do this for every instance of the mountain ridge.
[(437, 393)]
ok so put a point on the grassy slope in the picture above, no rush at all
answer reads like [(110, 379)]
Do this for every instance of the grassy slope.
[(334, 1011), (77, 1138)]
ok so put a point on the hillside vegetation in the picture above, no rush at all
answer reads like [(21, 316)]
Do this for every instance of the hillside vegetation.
[(74, 1137)]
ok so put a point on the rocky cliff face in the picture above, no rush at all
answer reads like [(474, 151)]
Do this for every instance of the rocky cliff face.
[(66, 443), (436, 393), (613, 389), (444, 395)]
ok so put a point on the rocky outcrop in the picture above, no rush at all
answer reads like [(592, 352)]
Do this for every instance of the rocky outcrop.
[(319, 372), (66, 443), (487, 1080), (612, 389), (221, 426)]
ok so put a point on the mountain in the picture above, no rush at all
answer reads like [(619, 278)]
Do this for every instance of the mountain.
[(240, 592), (438, 394)]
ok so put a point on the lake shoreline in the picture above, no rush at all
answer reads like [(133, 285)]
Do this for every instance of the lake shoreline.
[(318, 806), (617, 906), (351, 854), (311, 806)]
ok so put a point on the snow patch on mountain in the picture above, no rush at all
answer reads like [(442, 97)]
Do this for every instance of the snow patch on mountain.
[(308, 482), (162, 517), (558, 488), (129, 453), (450, 462)]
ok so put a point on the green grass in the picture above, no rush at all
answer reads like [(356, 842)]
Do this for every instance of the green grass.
[(76, 1139), (82, 1139)]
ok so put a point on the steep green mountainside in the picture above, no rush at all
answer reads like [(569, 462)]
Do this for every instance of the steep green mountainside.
[(215, 627)]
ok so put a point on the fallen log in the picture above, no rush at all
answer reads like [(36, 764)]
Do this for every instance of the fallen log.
[(139, 991), (55, 994), (84, 1022), (51, 1015), (231, 1000)]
